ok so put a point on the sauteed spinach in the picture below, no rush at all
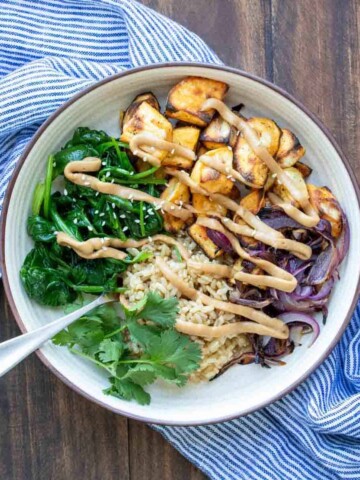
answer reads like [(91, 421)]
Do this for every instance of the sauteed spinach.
[(54, 275)]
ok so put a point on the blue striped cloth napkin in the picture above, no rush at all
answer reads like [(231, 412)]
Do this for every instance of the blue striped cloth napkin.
[(49, 50)]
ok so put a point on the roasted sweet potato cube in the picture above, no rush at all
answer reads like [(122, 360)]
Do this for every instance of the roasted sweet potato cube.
[(209, 178), (290, 149), (327, 207), (187, 137), (147, 97), (175, 192), (205, 205), (145, 118), (299, 181), (199, 234), (251, 168), (217, 134), (186, 98), (254, 202), (304, 169)]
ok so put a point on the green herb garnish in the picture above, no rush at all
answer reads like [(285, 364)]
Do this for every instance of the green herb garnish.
[(133, 353)]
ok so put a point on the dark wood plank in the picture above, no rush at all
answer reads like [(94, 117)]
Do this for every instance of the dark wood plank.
[(316, 58), (239, 31), (48, 432)]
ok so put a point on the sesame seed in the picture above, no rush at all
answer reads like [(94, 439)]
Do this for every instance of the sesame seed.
[(172, 207), (162, 211), (96, 212), (103, 223), (65, 191), (122, 216), (181, 203), (90, 228), (104, 248), (229, 148), (102, 214), (86, 183), (227, 169), (103, 163), (150, 239), (83, 177), (238, 133), (274, 175), (54, 164), (131, 173), (113, 205), (253, 233), (172, 151), (145, 158), (226, 219), (146, 216), (75, 221), (107, 174), (135, 152), (114, 215), (137, 220), (125, 228), (112, 180), (152, 149), (279, 182), (97, 193), (229, 176), (56, 232)]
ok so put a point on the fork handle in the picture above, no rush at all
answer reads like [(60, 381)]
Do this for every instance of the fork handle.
[(13, 351)]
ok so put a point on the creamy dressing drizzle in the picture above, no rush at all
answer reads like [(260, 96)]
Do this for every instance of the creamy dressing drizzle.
[(274, 326), (278, 278), (253, 140), (74, 172), (108, 247), (151, 140)]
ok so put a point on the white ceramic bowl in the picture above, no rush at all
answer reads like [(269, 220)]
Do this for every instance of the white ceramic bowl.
[(242, 389)]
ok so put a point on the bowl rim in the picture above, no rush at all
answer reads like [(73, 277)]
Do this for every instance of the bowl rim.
[(32, 144)]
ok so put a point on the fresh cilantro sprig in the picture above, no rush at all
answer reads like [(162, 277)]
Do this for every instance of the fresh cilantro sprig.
[(135, 347)]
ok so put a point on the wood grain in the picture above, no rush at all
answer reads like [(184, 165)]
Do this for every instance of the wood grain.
[(310, 48)]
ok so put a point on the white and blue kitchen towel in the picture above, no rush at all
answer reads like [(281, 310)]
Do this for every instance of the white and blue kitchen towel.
[(50, 50)]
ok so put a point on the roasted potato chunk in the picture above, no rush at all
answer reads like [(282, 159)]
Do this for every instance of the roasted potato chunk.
[(254, 202), (304, 169), (147, 97), (251, 168), (175, 192), (205, 205), (217, 134), (186, 137), (299, 181), (145, 118), (199, 234), (186, 98), (327, 207), (290, 149), (209, 178)]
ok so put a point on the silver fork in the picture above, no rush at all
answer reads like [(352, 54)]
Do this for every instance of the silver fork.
[(13, 351)]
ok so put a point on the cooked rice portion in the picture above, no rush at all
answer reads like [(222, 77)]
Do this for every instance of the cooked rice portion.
[(140, 278)]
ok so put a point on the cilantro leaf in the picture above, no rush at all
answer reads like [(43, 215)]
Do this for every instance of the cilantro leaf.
[(128, 390), (110, 350), (176, 350), (142, 374), (161, 311)]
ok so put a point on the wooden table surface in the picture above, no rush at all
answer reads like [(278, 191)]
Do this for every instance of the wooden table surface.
[(308, 47)]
